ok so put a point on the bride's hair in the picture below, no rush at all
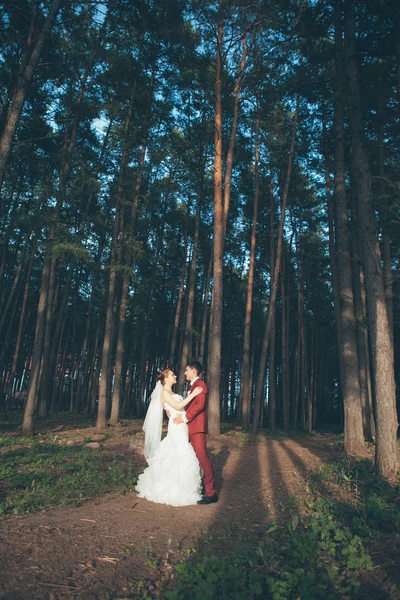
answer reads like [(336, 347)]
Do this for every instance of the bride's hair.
[(162, 375)]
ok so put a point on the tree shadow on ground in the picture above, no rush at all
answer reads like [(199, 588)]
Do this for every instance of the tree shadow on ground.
[(379, 585), (269, 483), (241, 506)]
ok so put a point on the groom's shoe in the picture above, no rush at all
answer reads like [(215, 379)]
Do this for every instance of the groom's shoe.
[(208, 500)]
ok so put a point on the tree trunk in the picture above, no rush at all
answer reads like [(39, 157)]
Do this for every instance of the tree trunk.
[(108, 337), (21, 324), (334, 275), (187, 334), (385, 220), (10, 300), (65, 168), (302, 360), (285, 352), (233, 382), (45, 379), (84, 351), (309, 394), (272, 380), (313, 375), (396, 10), (94, 374), (143, 379), (27, 424), (180, 297), (6, 354), (214, 362), (353, 430), (117, 392), (271, 371), (116, 396), (246, 387), (106, 356), (360, 309), (274, 284), (387, 453), (232, 138), (205, 311)]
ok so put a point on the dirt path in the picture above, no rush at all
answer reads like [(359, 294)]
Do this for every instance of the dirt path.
[(117, 546)]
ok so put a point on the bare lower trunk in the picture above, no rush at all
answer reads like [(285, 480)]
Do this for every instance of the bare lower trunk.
[(385, 219), (20, 325), (272, 381), (108, 343), (205, 311), (10, 300), (116, 397), (309, 395), (303, 364), (246, 391), (271, 373), (353, 431), (179, 302), (188, 333), (296, 386), (106, 355), (285, 353), (45, 380), (387, 453), (27, 424), (121, 320), (360, 309), (334, 275)]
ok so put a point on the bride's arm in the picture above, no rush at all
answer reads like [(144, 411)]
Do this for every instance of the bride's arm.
[(169, 399), (190, 396)]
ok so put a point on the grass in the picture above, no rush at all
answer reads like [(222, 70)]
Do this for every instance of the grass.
[(325, 549), (40, 474)]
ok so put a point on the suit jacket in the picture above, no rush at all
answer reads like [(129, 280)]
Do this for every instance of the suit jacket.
[(196, 410)]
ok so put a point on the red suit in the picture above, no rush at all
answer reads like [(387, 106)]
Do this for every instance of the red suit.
[(196, 415)]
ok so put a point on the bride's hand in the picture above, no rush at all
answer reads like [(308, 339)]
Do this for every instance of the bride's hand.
[(197, 391), (192, 395)]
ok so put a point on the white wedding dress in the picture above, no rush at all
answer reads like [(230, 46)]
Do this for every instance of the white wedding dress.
[(173, 475)]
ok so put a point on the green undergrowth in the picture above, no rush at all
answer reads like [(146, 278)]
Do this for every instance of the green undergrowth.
[(322, 550), (41, 474)]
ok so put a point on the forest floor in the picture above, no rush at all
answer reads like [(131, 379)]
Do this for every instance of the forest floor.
[(120, 546)]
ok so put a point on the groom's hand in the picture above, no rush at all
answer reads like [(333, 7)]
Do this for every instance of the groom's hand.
[(178, 419)]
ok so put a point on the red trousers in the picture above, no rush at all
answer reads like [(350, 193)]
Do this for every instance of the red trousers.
[(198, 441)]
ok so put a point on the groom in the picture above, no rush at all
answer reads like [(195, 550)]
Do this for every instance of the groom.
[(196, 418)]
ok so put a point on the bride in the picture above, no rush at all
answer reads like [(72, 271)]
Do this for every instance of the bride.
[(173, 475)]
